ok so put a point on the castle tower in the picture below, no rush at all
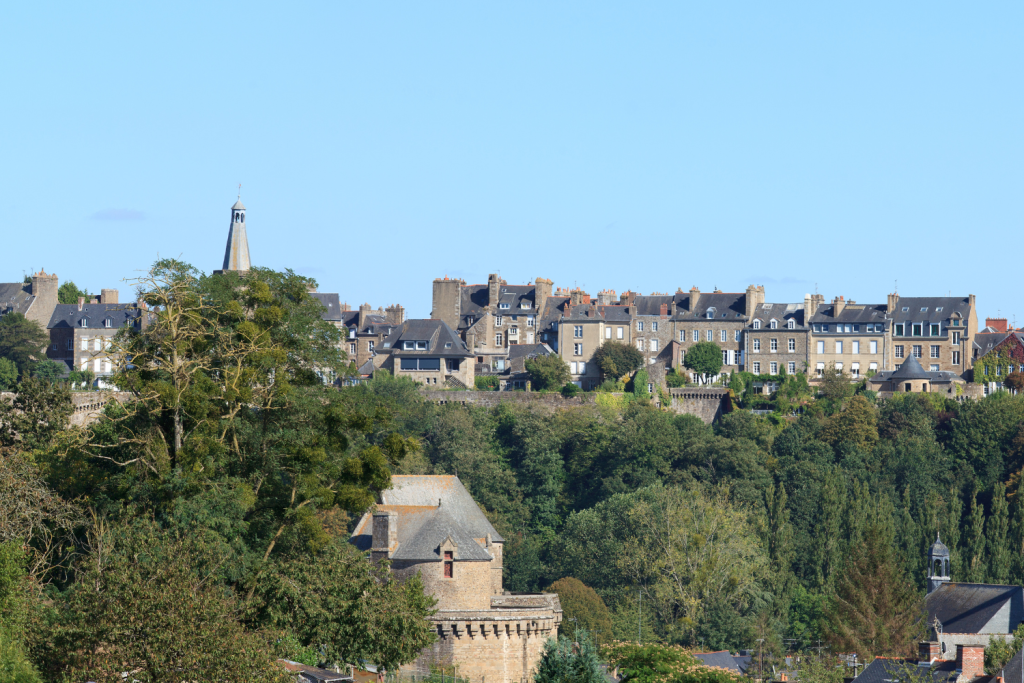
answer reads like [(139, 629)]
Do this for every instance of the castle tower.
[(236, 255), (938, 564)]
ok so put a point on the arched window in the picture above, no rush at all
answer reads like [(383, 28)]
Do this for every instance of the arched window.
[(241, 217)]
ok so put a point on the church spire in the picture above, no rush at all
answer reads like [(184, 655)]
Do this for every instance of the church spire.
[(236, 255)]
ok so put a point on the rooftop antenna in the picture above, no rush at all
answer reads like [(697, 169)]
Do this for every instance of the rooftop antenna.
[(896, 283), (815, 288)]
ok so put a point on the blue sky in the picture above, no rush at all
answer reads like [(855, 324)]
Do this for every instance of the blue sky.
[(843, 146)]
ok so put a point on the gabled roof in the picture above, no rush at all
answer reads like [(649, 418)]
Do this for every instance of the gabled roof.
[(930, 304), (15, 297), (781, 312), (597, 313), (728, 306), (723, 660), (331, 303), (68, 315), (887, 670), (851, 313), (651, 305), (986, 341), (969, 607), (422, 489), (1012, 671), (441, 339)]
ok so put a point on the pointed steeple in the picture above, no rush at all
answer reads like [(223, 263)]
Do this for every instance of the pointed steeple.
[(236, 255)]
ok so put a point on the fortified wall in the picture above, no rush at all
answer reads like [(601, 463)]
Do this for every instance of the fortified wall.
[(707, 404)]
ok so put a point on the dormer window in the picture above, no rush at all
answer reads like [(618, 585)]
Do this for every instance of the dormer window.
[(421, 346), (710, 314), (525, 304), (757, 324), (84, 322), (790, 325), (106, 322), (938, 309), (504, 306), (906, 308), (408, 346), (774, 324), (449, 564)]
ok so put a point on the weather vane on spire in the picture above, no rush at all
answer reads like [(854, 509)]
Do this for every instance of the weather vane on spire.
[(239, 191)]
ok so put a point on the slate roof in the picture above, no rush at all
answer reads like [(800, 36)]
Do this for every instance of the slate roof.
[(528, 351), (910, 369), (68, 315), (968, 607), (728, 306), (723, 660), (424, 544), (422, 489), (781, 312), (651, 305), (238, 206), (887, 670), (851, 313), (474, 298), (1012, 672), (986, 341), (606, 313), (15, 297), (331, 303), (435, 332), (930, 304)]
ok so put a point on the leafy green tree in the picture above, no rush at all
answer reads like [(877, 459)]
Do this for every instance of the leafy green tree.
[(656, 663), (1014, 382), (547, 372), (8, 374), (876, 610), (640, 382), (47, 371), (705, 359), (39, 412), (348, 608), (69, 293), (21, 340), (583, 609), (144, 603), (999, 652), (835, 385), (855, 425), (15, 666), (570, 390), (616, 359), (565, 661)]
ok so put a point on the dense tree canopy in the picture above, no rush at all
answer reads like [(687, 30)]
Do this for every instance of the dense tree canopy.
[(22, 341), (704, 358), (616, 359), (547, 372)]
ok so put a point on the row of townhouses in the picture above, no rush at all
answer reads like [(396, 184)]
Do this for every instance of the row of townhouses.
[(493, 328)]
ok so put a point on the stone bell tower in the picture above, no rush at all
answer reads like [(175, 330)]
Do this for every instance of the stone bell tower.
[(938, 564), (236, 254)]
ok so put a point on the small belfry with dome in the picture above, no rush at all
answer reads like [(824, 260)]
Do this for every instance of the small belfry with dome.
[(236, 253), (964, 618)]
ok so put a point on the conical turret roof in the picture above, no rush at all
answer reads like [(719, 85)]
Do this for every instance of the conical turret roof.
[(938, 548), (911, 369), (238, 205)]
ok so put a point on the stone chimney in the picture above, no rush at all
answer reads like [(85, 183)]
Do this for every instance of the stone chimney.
[(751, 301), (364, 311), (998, 324), (970, 660), (81, 302), (494, 284), (694, 298), (108, 296), (385, 535), (664, 311), (44, 289), (447, 301), (892, 303), (541, 292), (927, 651), (838, 304), (395, 314), (672, 308)]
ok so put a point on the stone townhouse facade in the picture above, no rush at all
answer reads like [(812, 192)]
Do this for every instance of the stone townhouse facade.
[(582, 329), (720, 317), (430, 526), (429, 352), (854, 337), (491, 317), (938, 331), (365, 330), (81, 335), (776, 340)]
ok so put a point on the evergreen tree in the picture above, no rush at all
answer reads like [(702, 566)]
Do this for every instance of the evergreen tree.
[(951, 532), (997, 526), (1015, 542), (564, 661), (876, 610), (974, 543), (22, 340)]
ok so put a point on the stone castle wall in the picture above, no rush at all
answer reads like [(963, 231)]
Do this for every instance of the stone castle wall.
[(707, 404)]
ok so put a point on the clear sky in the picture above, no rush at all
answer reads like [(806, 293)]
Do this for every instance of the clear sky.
[(649, 146)]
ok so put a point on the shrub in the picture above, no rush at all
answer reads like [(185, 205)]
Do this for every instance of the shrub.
[(582, 603), (675, 379), (640, 381), (486, 383), (547, 372), (616, 359), (569, 390)]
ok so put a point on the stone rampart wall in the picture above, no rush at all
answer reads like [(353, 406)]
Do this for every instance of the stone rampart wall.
[(707, 404)]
